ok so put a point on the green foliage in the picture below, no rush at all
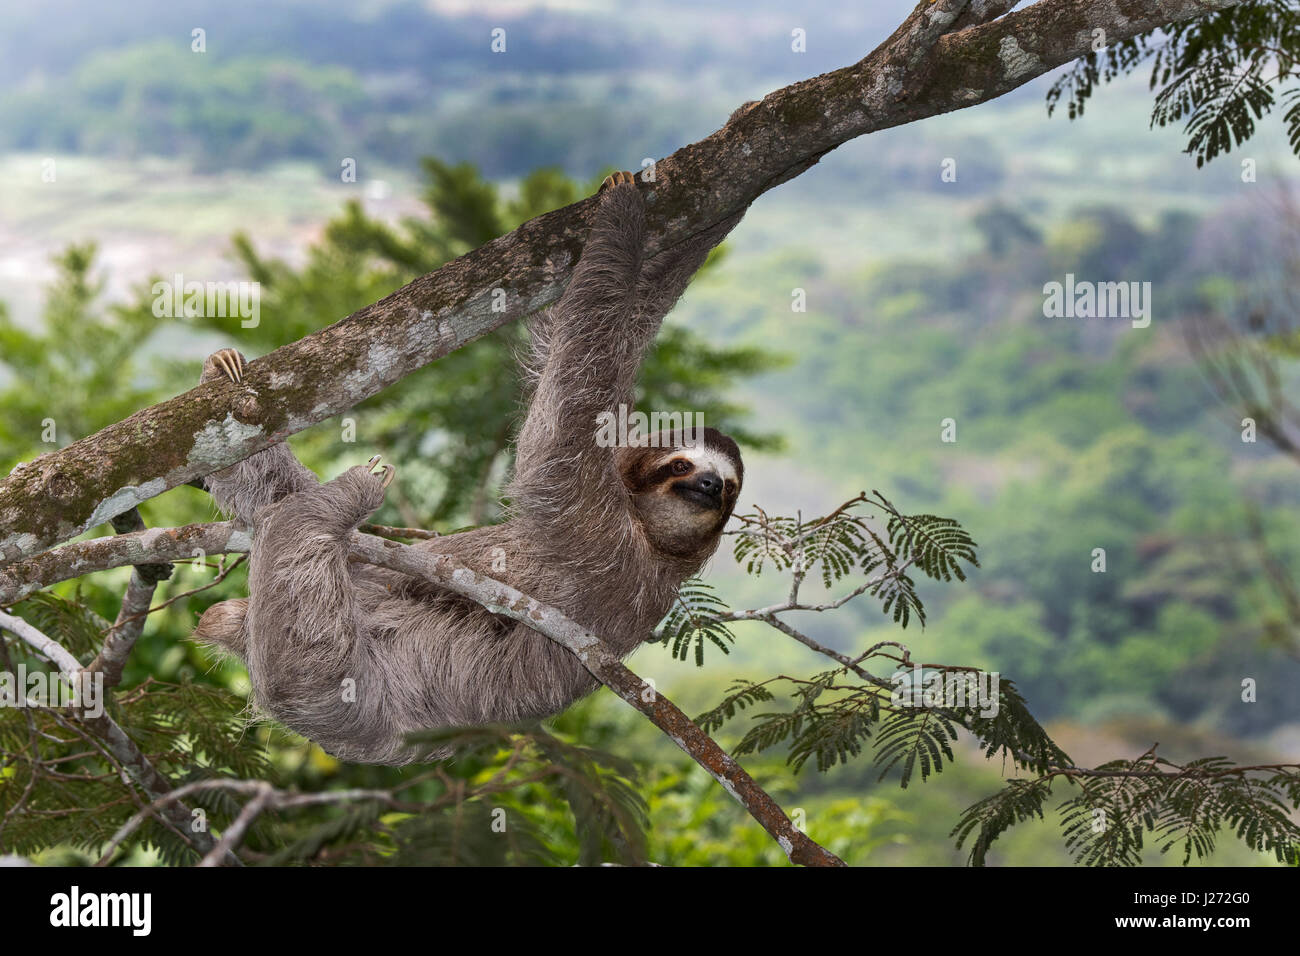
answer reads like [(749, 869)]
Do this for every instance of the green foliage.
[(1020, 801), (934, 544), (833, 718), (742, 694), (836, 712), (914, 738), (694, 822), (1012, 729), (283, 81), (350, 823), (694, 620), (1121, 803), (77, 373), (1217, 74), (80, 629), (61, 787), (1073, 436), (843, 542), (495, 805)]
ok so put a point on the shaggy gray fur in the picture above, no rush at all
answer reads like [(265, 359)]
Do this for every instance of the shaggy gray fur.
[(315, 625)]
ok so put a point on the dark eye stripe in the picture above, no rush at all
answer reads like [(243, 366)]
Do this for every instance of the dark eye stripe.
[(660, 474)]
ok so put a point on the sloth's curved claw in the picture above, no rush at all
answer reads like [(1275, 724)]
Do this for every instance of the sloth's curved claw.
[(618, 179), (385, 474), (230, 363)]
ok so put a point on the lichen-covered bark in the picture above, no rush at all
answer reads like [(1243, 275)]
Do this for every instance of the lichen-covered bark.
[(151, 545), (918, 72)]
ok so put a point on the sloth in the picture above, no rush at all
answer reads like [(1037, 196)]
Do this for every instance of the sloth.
[(356, 657)]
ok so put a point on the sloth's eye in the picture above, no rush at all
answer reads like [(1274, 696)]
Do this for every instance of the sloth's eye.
[(680, 466)]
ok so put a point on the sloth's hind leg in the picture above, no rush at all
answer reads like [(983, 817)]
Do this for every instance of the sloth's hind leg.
[(305, 621)]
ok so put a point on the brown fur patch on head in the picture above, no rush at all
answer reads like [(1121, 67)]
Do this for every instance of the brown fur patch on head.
[(683, 493)]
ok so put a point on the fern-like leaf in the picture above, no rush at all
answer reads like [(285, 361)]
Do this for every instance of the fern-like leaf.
[(693, 621)]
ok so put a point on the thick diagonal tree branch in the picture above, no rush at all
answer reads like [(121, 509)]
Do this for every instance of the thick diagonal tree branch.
[(153, 545), (919, 71)]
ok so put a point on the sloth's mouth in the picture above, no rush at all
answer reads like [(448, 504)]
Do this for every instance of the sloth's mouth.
[(699, 497)]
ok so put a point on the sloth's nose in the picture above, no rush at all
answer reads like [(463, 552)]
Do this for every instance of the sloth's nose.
[(710, 484)]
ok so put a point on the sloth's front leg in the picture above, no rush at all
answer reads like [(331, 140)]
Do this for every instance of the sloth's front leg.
[(309, 646)]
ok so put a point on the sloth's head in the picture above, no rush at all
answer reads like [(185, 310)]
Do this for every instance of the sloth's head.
[(683, 493)]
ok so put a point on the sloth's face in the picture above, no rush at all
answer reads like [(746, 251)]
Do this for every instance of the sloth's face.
[(684, 495)]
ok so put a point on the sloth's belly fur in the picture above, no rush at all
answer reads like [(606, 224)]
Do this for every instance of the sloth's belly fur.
[(423, 658)]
